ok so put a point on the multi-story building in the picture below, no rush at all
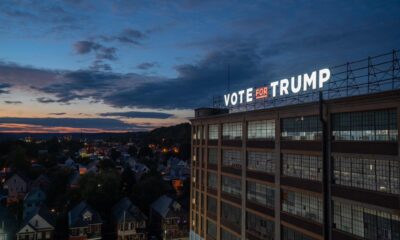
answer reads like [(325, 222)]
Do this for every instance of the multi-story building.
[(260, 174)]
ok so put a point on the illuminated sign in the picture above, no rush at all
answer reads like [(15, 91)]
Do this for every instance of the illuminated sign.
[(301, 83)]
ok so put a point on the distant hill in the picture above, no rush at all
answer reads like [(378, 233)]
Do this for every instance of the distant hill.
[(174, 134)]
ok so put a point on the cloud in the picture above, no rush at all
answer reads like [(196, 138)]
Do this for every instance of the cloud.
[(128, 35), (45, 100), (135, 114), (13, 102), (101, 52), (85, 123), (58, 113), (196, 83), (147, 65), (4, 88)]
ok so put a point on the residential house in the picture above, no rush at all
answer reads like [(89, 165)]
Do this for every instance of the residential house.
[(17, 186), (130, 222), (84, 222), (8, 223), (33, 200), (42, 182), (39, 225), (169, 219)]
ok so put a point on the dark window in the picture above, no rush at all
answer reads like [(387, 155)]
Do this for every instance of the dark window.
[(231, 186), (289, 234), (232, 131), (232, 158), (211, 204), (302, 166), (372, 174), (301, 128), (260, 227), (378, 125), (261, 194), (231, 214), (211, 229), (261, 161), (212, 180), (225, 235), (213, 156), (303, 205)]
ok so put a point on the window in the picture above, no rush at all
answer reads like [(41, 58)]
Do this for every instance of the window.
[(261, 161), (232, 131), (303, 205), (301, 128), (378, 125), (212, 180), (232, 158), (289, 234), (212, 156), (211, 205), (225, 235), (264, 129), (372, 174), (260, 227), (366, 223), (231, 186), (231, 214), (213, 132), (261, 194), (302, 166), (211, 229), (199, 130)]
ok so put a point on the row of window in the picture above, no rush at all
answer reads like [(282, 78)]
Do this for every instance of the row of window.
[(371, 174), (367, 223), (303, 205), (258, 226), (379, 125), (377, 175), (371, 224), (302, 166)]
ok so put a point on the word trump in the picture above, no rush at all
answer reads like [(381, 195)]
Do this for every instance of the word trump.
[(281, 88)]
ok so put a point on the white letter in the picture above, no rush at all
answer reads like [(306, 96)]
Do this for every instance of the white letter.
[(241, 92), (249, 95), (324, 75), (226, 97), (292, 85), (234, 99), (273, 85), (308, 81), (283, 88)]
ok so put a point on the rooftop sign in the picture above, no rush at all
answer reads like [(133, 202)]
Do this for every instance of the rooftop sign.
[(301, 83)]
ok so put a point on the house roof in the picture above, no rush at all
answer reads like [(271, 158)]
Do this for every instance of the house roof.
[(126, 210), (166, 206), (43, 212), (20, 175), (35, 191), (76, 215)]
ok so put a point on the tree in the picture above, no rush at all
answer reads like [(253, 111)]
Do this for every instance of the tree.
[(18, 160), (133, 151), (101, 190)]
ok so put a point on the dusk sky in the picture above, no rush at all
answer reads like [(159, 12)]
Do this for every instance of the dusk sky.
[(75, 65)]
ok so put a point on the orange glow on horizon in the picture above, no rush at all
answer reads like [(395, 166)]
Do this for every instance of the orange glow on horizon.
[(28, 128)]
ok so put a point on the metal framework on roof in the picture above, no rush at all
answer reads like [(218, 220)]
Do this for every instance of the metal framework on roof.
[(369, 75)]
